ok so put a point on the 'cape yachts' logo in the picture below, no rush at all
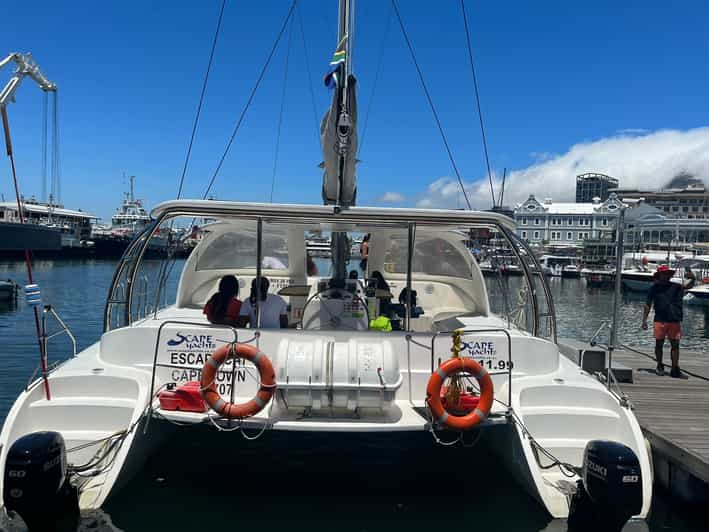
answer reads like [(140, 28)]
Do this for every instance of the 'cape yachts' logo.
[(192, 341), (480, 349)]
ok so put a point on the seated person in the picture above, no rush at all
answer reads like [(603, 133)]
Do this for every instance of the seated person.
[(354, 274), (384, 302), (415, 311), (272, 307), (223, 308)]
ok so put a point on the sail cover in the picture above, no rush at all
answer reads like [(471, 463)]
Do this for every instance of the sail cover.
[(338, 135)]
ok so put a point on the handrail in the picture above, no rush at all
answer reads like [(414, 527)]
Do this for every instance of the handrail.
[(592, 341), (44, 340), (196, 324), (487, 330), (609, 377), (63, 330), (157, 347), (128, 260)]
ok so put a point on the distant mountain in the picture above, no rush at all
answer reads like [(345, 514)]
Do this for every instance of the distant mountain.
[(684, 180)]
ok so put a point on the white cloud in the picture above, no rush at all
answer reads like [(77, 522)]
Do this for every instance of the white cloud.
[(644, 161), (391, 197), (425, 203)]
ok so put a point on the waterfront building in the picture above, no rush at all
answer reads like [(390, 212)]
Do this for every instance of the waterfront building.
[(561, 223), (650, 228), (592, 185), (688, 201)]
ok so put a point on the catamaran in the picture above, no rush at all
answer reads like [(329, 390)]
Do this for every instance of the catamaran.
[(415, 344)]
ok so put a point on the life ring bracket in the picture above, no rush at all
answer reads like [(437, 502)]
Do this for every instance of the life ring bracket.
[(267, 386), (451, 367)]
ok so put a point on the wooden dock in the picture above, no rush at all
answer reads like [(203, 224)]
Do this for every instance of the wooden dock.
[(674, 415)]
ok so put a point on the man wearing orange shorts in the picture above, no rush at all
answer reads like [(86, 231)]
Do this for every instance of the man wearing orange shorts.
[(666, 297)]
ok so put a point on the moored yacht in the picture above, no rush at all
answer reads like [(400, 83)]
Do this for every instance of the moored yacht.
[(415, 347), (639, 269), (698, 296), (571, 271)]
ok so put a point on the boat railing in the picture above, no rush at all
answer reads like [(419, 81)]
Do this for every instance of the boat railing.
[(507, 370), (156, 364), (142, 304), (608, 377), (49, 312), (604, 324)]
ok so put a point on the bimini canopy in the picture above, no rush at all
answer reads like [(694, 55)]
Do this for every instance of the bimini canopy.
[(306, 213)]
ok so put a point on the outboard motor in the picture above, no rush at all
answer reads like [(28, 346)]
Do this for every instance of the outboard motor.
[(611, 490), (36, 485)]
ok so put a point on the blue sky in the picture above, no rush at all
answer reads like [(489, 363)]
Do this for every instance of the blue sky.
[(553, 76)]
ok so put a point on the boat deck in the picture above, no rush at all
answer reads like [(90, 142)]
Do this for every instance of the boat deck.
[(674, 415)]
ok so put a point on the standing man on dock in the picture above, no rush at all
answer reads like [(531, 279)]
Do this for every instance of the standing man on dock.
[(667, 299)]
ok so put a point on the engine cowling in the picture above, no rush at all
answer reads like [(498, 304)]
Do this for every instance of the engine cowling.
[(610, 492), (36, 485)]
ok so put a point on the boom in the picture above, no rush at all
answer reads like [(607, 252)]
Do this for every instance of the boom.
[(25, 67)]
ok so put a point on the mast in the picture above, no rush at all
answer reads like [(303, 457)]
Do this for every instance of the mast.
[(338, 129), (338, 135)]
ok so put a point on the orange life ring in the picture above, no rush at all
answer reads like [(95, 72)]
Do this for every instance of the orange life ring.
[(433, 393), (208, 388)]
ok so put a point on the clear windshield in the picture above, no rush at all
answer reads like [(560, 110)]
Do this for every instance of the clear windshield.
[(417, 276)]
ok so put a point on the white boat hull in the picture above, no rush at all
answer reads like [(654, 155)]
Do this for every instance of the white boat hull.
[(562, 407), (698, 296)]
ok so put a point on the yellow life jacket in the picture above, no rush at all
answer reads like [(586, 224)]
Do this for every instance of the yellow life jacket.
[(381, 323)]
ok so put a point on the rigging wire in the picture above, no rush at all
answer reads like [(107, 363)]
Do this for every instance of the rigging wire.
[(45, 115), (310, 78), (365, 123), (280, 114), (201, 98), (250, 98), (477, 99), (56, 177), (430, 103)]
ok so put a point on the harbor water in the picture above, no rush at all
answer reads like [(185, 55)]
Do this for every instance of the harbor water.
[(172, 492)]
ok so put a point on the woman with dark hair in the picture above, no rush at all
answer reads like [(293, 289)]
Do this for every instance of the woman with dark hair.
[(223, 307), (384, 301)]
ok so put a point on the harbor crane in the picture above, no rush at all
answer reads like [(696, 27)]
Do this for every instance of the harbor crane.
[(25, 67)]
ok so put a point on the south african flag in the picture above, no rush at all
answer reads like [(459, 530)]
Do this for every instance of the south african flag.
[(338, 58)]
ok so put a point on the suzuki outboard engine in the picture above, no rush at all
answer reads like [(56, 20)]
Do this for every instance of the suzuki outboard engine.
[(611, 490), (36, 485)]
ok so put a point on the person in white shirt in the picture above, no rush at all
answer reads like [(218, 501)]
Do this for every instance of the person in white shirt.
[(272, 308)]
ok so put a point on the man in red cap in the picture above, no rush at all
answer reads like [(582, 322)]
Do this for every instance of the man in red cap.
[(667, 300)]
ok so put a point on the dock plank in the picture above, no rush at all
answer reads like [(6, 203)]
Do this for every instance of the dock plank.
[(674, 413)]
